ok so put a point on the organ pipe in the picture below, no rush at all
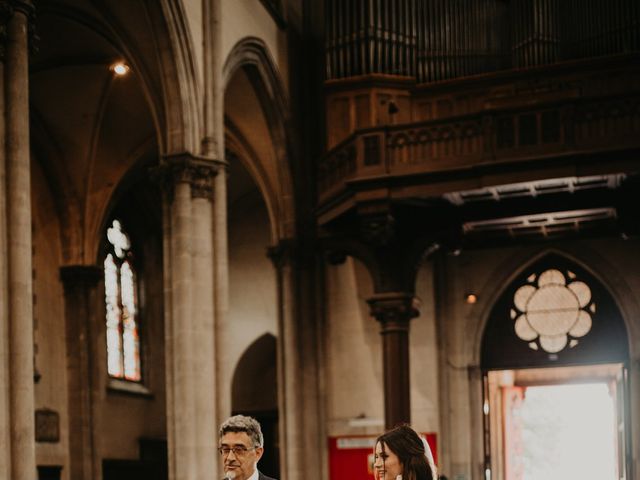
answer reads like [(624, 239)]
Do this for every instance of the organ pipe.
[(435, 40)]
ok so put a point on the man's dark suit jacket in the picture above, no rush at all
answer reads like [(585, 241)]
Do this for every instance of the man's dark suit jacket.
[(264, 477)]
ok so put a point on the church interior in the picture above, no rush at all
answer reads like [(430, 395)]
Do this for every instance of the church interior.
[(335, 216)]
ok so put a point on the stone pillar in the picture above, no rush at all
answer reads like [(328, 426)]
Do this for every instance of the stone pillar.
[(18, 231), (80, 284), (5, 392), (189, 335), (180, 386), (442, 292), (204, 315), (213, 146), (221, 269), (394, 310), (292, 447)]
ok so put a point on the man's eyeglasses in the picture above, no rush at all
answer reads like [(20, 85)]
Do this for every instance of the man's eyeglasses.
[(238, 451)]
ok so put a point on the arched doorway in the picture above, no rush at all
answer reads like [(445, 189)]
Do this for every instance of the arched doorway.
[(254, 393), (555, 337)]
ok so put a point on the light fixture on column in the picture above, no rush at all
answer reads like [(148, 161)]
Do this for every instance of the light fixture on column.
[(119, 68), (470, 298)]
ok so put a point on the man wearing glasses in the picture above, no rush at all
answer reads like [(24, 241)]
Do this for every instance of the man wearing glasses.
[(241, 446)]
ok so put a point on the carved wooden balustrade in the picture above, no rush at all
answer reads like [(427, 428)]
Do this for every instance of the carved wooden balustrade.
[(473, 145)]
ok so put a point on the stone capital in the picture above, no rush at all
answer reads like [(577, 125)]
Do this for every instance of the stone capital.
[(283, 253), (377, 223), (197, 171), (378, 229), (394, 310)]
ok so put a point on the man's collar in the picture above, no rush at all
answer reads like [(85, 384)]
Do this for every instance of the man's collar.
[(255, 474)]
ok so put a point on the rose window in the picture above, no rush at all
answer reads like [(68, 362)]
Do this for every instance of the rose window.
[(552, 311)]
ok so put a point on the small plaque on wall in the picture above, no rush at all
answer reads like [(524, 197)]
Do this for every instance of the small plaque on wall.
[(47, 425)]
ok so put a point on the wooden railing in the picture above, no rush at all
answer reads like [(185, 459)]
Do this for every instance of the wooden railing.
[(491, 137)]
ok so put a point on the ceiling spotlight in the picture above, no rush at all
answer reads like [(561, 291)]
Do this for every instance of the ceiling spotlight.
[(120, 68), (471, 298)]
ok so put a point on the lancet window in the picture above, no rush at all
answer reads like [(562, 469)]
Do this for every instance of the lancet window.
[(121, 299)]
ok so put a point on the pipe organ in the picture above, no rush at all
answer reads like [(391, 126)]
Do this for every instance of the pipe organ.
[(435, 40)]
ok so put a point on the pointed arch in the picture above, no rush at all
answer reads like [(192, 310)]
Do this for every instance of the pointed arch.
[(254, 379), (252, 56), (254, 392), (181, 95), (161, 56), (608, 340), (174, 98)]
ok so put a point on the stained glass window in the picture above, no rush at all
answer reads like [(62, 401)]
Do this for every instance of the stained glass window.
[(123, 342), (553, 311)]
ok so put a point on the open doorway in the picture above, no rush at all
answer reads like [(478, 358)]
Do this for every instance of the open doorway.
[(557, 423)]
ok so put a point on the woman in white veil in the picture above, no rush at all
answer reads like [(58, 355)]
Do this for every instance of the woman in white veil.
[(401, 454)]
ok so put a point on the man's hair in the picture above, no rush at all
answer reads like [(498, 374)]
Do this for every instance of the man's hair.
[(242, 423)]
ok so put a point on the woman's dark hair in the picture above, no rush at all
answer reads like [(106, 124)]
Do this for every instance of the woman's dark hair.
[(410, 450)]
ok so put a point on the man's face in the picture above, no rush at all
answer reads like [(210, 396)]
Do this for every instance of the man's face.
[(241, 465)]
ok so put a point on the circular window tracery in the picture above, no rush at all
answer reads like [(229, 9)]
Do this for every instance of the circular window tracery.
[(552, 311)]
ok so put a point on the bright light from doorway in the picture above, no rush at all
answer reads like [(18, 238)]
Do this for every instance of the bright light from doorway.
[(568, 432)]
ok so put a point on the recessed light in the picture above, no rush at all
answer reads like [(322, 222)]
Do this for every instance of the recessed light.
[(471, 298), (120, 68)]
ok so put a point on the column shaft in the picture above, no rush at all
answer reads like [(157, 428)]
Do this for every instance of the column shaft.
[(5, 419), (394, 311), (221, 269), (289, 362), (189, 334), (397, 392), (303, 296), (79, 294), (23, 464), (183, 384), (213, 147), (291, 381), (204, 352), (169, 349)]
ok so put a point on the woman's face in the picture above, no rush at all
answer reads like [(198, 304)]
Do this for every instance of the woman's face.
[(386, 466)]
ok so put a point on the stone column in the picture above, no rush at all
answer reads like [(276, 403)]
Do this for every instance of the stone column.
[(178, 320), (203, 302), (221, 269), (394, 310), (189, 334), (442, 292), (18, 200), (80, 282), (5, 419), (290, 379), (213, 146)]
